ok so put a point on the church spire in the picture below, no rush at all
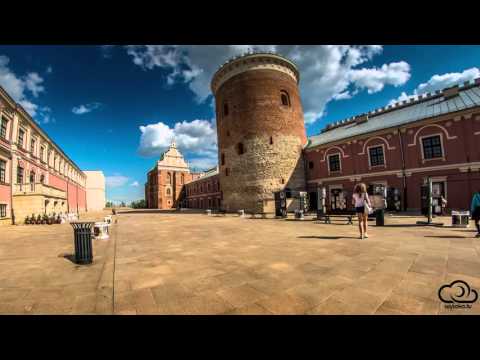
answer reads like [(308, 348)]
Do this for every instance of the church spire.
[(173, 144)]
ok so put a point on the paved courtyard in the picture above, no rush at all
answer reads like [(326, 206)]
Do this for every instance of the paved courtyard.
[(186, 263)]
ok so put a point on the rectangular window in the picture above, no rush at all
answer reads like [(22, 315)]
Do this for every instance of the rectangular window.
[(3, 169), (310, 164), (42, 154), (376, 156), (432, 147), (334, 162), (21, 135), (3, 127), (19, 175), (32, 145), (3, 210)]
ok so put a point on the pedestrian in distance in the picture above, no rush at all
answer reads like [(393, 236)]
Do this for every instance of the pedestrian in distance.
[(475, 209), (362, 205)]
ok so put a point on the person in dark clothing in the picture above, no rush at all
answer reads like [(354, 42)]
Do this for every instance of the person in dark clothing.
[(475, 209)]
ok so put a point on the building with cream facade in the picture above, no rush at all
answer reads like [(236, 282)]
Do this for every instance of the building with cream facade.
[(95, 187), (36, 176)]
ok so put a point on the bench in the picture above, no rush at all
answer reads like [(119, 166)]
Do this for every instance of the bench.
[(327, 217), (219, 212)]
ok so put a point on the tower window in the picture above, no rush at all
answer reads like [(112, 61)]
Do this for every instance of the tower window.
[(223, 159), (285, 98), (228, 133), (271, 140), (225, 109), (168, 192), (227, 172), (240, 149), (310, 164), (283, 181)]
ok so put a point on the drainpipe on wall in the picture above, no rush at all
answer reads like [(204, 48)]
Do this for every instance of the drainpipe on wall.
[(11, 188), (404, 177)]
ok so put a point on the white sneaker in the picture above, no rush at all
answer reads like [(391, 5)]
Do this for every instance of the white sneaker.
[(366, 236)]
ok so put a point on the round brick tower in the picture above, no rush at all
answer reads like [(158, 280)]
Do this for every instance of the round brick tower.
[(260, 128)]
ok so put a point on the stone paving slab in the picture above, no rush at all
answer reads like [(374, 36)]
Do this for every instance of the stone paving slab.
[(159, 263)]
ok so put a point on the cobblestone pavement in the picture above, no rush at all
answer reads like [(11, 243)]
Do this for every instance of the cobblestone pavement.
[(163, 263)]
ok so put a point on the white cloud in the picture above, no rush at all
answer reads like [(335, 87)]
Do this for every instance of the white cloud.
[(84, 109), (198, 137), (32, 82), (327, 71), (202, 164), (44, 116), (439, 82), (20, 87), (116, 181), (375, 79), (403, 96), (135, 184)]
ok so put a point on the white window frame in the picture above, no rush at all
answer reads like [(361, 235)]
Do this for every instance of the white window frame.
[(444, 155), (370, 166), (6, 210), (7, 173), (24, 137), (340, 162)]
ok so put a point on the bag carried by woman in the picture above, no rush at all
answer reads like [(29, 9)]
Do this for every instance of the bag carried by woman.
[(368, 208)]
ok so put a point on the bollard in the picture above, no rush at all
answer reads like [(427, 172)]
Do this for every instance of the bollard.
[(380, 217), (83, 242), (241, 213), (208, 212)]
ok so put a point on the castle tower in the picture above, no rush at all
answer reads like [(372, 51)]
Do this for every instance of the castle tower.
[(260, 128)]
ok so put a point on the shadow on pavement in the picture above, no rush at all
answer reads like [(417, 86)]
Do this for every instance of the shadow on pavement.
[(327, 237), (70, 257), (403, 225), (447, 236)]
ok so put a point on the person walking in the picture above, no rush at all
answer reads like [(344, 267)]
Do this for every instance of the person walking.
[(360, 200), (443, 204), (475, 208)]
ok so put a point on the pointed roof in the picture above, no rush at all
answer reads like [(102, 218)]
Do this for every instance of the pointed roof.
[(172, 159)]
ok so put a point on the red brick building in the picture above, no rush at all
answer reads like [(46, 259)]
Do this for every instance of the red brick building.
[(399, 146), (204, 192), (262, 149), (165, 182)]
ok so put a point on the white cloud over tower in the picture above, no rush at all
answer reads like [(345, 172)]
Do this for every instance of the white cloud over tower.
[(327, 72)]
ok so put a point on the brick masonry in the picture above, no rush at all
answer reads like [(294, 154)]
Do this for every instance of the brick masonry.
[(272, 135)]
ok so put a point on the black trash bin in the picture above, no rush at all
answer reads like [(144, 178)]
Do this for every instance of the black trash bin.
[(380, 217), (83, 242)]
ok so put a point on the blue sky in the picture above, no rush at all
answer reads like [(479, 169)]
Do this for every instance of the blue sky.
[(115, 108)]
